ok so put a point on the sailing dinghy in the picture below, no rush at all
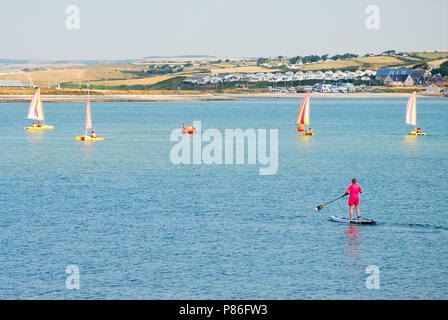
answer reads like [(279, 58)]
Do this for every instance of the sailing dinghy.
[(411, 116), (303, 118), (36, 112), (93, 136)]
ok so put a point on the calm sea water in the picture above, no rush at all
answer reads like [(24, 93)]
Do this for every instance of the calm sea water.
[(139, 227)]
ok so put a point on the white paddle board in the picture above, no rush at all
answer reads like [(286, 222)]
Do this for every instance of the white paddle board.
[(355, 221)]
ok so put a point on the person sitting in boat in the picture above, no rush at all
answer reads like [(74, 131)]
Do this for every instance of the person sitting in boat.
[(38, 124), (34, 124), (93, 134), (419, 130), (309, 131)]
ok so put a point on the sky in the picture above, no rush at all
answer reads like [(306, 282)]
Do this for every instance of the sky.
[(226, 28)]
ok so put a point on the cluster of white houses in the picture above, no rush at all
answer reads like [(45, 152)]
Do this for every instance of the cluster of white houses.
[(319, 87), (364, 75), (387, 77)]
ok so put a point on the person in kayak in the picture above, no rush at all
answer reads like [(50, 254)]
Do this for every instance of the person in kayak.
[(354, 190)]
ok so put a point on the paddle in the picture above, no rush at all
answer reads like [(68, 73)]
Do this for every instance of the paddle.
[(323, 205)]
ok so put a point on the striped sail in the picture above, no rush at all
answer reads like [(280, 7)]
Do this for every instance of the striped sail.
[(36, 110), (411, 110), (88, 113), (304, 111)]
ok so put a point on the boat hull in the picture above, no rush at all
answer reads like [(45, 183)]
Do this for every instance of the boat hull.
[(308, 134), (44, 127), (87, 138), (415, 133)]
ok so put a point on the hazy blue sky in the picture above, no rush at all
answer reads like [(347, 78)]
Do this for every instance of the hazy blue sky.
[(242, 28)]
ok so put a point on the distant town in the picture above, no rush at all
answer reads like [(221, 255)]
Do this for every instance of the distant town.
[(389, 71), (338, 81)]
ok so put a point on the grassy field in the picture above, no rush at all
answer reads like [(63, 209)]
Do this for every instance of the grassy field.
[(84, 74), (432, 58), (330, 64), (376, 61), (131, 82), (120, 75), (431, 55), (382, 61), (437, 62), (75, 92), (242, 69)]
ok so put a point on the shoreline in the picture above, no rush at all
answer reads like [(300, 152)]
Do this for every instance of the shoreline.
[(7, 98)]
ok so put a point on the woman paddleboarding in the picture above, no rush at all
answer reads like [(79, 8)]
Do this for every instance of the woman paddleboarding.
[(354, 190)]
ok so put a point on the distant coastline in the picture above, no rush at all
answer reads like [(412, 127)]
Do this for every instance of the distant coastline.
[(5, 98)]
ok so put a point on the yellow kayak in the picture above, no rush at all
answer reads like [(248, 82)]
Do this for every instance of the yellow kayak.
[(415, 133), (44, 127), (88, 138)]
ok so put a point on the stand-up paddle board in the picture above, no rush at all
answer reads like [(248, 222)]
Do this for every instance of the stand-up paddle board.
[(346, 220)]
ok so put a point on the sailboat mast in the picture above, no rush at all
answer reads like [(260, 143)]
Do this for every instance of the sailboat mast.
[(88, 113)]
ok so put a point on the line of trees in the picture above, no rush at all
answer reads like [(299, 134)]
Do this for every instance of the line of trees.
[(311, 58), (325, 57), (443, 69), (156, 70)]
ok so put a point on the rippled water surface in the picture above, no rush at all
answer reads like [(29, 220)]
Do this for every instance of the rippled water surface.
[(138, 226)]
